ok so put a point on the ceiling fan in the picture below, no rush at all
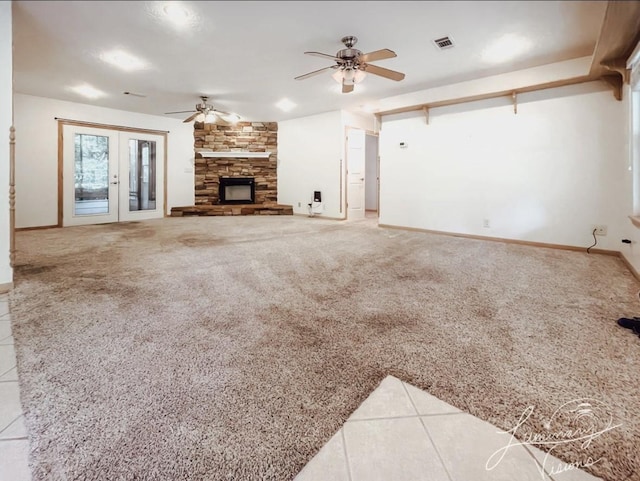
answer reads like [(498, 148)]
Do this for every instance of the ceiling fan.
[(352, 65), (205, 112)]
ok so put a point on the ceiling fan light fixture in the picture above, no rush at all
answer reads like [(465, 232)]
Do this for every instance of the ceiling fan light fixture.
[(352, 66), (359, 76), (209, 118), (349, 76)]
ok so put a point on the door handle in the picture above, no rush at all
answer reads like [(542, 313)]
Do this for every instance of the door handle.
[(114, 183)]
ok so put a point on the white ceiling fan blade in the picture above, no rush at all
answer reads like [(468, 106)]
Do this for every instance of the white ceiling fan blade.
[(377, 55), (324, 55), (383, 72), (315, 72), (180, 112)]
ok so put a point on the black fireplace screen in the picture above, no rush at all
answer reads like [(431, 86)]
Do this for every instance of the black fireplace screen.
[(237, 190)]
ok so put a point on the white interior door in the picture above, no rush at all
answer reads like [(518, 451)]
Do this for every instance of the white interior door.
[(355, 174), (111, 176)]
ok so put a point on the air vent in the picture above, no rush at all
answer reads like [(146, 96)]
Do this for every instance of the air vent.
[(443, 43)]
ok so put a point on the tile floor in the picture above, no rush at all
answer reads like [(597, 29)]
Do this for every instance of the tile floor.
[(401, 433), (14, 446), (398, 433)]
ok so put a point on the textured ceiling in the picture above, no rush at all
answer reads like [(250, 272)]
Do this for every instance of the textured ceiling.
[(245, 55)]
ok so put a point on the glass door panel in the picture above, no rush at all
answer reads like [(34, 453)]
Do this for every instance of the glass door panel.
[(142, 164), (142, 175), (91, 174)]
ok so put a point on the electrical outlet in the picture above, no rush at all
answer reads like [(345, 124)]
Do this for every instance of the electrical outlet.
[(486, 224), (599, 229)]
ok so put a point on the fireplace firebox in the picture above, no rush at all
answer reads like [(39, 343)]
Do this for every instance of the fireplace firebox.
[(237, 190)]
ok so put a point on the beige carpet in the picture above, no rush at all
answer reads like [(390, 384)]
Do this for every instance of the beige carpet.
[(233, 348)]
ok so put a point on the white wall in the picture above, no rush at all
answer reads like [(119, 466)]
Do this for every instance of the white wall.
[(311, 156), (496, 83), (310, 152), (6, 114), (545, 175), (358, 120), (37, 153)]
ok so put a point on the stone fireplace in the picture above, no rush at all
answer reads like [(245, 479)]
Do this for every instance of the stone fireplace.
[(235, 170), (246, 149)]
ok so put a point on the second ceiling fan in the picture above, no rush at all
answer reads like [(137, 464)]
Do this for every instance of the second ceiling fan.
[(352, 65), (204, 112)]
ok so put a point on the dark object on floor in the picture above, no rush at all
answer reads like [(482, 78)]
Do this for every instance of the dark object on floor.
[(636, 329), (629, 323)]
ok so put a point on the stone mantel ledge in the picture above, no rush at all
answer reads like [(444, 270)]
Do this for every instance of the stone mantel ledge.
[(237, 154)]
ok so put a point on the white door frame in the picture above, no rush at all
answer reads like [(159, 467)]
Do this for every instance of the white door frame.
[(161, 158)]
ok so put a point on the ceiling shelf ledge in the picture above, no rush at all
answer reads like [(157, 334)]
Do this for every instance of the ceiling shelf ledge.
[(239, 154), (513, 93)]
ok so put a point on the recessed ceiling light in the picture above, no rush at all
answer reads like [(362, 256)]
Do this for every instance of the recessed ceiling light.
[(505, 48), (176, 13), (123, 60), (286, 105), (88, 91)]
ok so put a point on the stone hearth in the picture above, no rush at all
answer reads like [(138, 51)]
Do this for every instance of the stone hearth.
[(242, 209)]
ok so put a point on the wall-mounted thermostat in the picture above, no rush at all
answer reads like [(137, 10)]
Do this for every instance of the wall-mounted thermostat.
[(403, 145)]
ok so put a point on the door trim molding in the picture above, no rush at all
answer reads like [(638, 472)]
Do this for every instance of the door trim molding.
[(60, 167), (121, 128), (118, 128)]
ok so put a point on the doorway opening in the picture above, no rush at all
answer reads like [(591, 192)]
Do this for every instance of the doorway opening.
[(371, 176), (363, 174)]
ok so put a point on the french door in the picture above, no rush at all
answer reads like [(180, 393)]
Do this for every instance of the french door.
[(111, 176)]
